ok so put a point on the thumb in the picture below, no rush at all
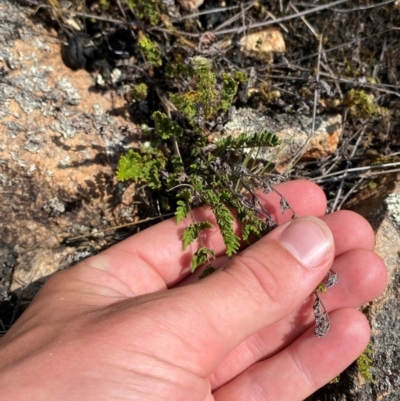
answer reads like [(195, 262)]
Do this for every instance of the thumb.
[(258, 287)]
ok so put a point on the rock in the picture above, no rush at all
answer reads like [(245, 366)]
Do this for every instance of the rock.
[(171, 8), (190, 5), (263, 43), (381, 207), (293, 130), (59, 147)]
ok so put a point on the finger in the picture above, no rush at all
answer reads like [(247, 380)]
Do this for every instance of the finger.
[(260, 286), (349, 230), (257, 288), (306, 365), (153, 259), (362, 277)]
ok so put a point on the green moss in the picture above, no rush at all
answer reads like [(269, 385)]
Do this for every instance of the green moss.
[(361, 105), (140, 91), (207, 94), (321, 288), (364, 364), (104, 4), (229, 89), (148, 10), (150, 49), (177, 69), (241, 77)]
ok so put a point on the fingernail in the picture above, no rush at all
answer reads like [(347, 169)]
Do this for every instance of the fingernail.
[(309, 240)]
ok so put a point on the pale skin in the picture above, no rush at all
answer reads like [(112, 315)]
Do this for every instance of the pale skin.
[(131, 324)]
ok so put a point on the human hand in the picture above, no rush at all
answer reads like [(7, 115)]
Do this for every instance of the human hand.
[(132, 324)]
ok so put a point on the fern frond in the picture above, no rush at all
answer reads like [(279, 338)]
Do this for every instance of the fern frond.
[(191, 233), (165, 127), (182, 210), (252, 226), (201, 256), (225, 222), (245, 140), (224, 218), (150, 173), (129, 166), (144, 166), (206, 272)]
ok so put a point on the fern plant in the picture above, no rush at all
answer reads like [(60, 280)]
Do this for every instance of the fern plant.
[(212, 174), (187, 169)]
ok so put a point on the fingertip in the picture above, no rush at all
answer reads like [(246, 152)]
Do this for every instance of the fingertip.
[(350, 231), (304, 196), (322, 359), (352, 325), (368, 273), (325, 358), (307, 364), (311, 194)]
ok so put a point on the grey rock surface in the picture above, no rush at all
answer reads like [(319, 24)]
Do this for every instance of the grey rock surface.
[(59, 147), (381, 207), (295, 132)]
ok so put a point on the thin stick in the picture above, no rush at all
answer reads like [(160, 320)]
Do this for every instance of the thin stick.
[(299, 153), (282, 19), (310, 27), (348, 43), (234, 18), (85, 15), (168, 107), (348, 163), (316, 91), (351, 191), (369, 174), (274, 18), (356, 169), (211, 11), (342, 10)]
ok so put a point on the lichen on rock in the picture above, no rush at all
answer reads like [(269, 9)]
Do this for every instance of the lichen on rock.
[(59, 146)]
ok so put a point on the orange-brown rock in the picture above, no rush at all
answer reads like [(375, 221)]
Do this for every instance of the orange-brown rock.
[(190, 5), (263, 43), (59, 146), (295, 132)]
